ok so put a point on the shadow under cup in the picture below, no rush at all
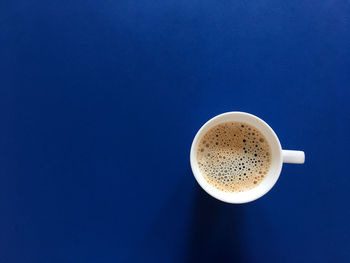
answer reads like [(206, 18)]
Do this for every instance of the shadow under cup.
[(276, 158)]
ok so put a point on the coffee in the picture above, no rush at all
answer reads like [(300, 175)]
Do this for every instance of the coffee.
[(234, 156)]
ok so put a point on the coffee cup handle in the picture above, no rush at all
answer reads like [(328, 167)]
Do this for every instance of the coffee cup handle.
[(293, 156)]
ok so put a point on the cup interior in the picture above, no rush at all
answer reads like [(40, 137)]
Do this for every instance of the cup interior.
[(276, 158)]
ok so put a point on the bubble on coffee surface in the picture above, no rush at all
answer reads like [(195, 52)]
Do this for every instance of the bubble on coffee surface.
[(234, 156)]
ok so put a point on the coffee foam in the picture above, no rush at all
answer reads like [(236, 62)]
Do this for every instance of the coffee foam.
[(234, 156)]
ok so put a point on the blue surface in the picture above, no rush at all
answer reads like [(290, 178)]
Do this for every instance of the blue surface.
[(100, 101)]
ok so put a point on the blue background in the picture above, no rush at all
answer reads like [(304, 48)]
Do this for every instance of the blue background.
[(100, 101)]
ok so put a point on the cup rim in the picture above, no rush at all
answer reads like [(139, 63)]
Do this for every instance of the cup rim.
[(225, 196)]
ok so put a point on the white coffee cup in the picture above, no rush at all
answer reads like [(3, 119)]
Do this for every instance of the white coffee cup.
[(278, 157)]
